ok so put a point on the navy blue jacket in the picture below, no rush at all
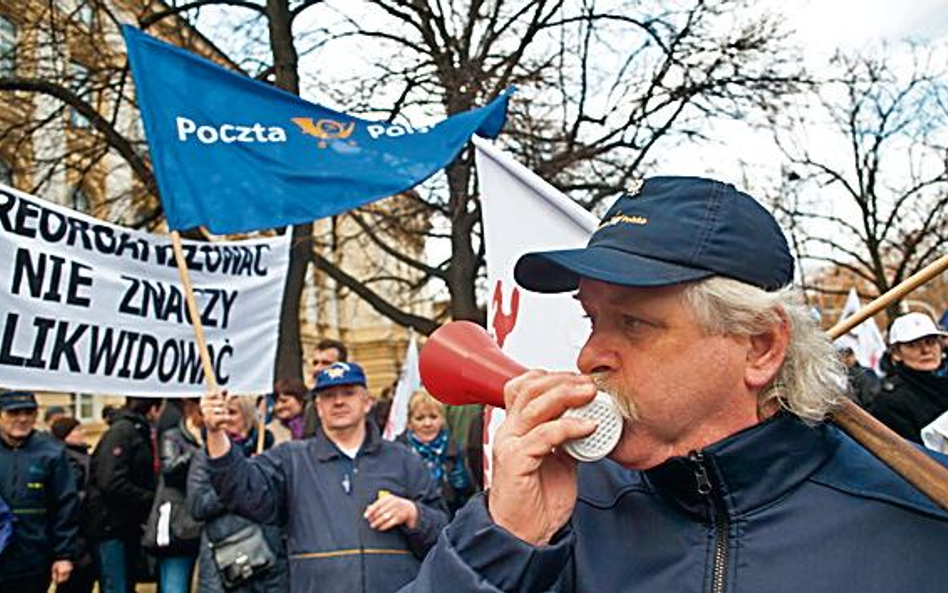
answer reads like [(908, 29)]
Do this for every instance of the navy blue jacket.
[(320, 494), (37, 483), (781, 507)]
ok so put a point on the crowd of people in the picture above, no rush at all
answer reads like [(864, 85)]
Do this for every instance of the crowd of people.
[(727, 475), (198, 498)]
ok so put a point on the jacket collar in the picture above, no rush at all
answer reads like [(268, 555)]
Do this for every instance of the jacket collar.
[(325, 450), (84, 449), (22, 444), (747, 470), (138, 420)]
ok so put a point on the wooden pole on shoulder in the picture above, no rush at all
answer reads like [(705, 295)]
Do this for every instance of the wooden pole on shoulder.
[(895, 293), (917, 468)]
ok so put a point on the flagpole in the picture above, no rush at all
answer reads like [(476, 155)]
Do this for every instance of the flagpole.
[(894, 294), (919, 469), (262, 425), (209, 376)]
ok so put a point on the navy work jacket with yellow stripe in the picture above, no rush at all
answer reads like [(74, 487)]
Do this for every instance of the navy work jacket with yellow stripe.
[(37, 483), (781, 507), (319, 495)]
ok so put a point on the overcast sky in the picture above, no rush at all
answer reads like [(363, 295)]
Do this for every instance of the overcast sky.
[(748, 157), (827, 24), (821, 28)]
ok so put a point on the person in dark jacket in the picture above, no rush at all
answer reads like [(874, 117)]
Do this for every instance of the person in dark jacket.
[(177, 447), (359, 512), (220, 523), (6, 524), (37, 484), (71, 434), (864, 384), (122, 485), (327, 352), (726, 476), (913, 395), (430, 439)]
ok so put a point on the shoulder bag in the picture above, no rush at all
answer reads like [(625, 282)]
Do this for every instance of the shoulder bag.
[(242, 556)]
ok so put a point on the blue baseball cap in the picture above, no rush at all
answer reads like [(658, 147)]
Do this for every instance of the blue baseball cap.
[(672, 230), (17, 400), (339, 373)]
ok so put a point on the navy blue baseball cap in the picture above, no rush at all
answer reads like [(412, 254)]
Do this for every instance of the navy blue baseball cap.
[(672, 230), (17, 400), (339, 373)]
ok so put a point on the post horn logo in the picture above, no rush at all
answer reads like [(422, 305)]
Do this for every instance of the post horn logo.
[(325, 129)]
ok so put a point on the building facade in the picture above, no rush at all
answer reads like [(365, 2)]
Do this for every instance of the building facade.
[(52, 150)]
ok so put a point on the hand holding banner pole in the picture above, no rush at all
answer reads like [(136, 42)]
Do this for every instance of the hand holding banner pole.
[(917, 468), (209, 376)]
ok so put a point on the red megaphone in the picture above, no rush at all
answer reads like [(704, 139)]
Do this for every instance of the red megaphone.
[(461, 364)]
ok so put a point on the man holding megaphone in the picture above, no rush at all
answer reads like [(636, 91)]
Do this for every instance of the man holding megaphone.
[(726, 476)]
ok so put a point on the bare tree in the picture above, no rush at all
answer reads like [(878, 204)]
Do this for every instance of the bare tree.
[(88, 83), (62, 86), (866, 184), (602, 87)]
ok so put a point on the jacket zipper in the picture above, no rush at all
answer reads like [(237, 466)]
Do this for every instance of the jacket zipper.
[(721, 525), (360, 523)]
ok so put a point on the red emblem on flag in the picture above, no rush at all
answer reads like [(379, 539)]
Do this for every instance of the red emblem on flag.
[(503, 323)]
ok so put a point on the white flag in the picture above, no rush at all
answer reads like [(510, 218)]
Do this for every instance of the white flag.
[(409, 381), (523, 213), (865, 339)]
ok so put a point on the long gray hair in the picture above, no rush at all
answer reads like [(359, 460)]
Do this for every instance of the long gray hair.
[(812, 380)]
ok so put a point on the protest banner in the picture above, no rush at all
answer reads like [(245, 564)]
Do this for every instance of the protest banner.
[(523, 213), (93, 307)]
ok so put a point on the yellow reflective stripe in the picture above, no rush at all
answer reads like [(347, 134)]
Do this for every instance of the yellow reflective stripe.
[(353, 552), (29, 511)]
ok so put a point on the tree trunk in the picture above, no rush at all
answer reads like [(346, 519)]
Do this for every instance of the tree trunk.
[(285, 62), (462, 275), (285, 59), (289, 349)]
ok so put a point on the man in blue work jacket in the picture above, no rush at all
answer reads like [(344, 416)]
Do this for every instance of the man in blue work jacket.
[(727, 477), (38, 485), (359, 512)]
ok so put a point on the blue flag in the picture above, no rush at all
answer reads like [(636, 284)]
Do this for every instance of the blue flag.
[(235, 155)]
